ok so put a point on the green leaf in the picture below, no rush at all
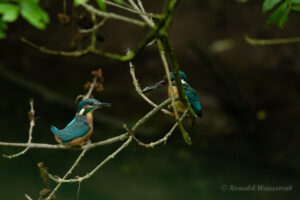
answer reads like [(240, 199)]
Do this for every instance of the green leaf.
[(101, 4), (295, 1), (277, 14), (2, 34), (270, 4), (296, 8), (78, 2), (3, 25), (283, 18), (9, 12), (118, 1), (34, 14)]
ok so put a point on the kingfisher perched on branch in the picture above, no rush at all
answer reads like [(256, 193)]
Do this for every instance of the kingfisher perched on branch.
[(81, 127), (188, 90)]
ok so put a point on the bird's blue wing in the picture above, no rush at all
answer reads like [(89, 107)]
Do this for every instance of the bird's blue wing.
[(193, 99), (78, 127)]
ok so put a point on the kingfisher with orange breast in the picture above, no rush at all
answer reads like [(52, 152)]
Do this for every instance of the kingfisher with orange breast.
[(81, 127), (188, 90)]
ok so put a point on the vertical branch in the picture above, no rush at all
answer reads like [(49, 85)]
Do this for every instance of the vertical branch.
[(175, 67), (32, 124), (185, 135)]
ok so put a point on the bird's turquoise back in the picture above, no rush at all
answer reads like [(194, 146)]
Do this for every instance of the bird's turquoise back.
[(78, 127), (193, 99)]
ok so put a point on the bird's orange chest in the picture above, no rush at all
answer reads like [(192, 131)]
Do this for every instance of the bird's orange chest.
[(179, 105)]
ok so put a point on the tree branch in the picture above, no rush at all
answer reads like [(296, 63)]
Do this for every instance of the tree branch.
[(139, 90), (162, 140), (32, 123), (109, 15), (255, 42), (185, 134), (64, 147), (68, 173)]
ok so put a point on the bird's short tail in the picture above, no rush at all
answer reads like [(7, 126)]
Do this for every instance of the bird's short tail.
[(54, 130)]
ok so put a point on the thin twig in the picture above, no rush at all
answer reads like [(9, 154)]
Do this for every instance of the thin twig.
[(109, 15), (147, 19), (127, 8), (32, 123), (162, 140), (54, 52), (94, 28), (28, 197), (139, 90), (68, 173), (88, 175), (254, 41)]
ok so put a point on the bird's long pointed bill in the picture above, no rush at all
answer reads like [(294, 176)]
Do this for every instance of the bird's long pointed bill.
[(154, 86), (101, 105)]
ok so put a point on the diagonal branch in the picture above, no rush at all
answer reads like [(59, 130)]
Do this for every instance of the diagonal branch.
[(162, 140), (139, 90), (68, 173)]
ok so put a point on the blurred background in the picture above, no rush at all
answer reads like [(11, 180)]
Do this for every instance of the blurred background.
[(248, 135)]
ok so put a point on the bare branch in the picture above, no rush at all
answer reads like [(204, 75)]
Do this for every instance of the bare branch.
[(32, 123), (64, 147), (127, 8), (28, 197), (254, 41), (68, 173), (95, 27), (54, 52), (147, 19), (162, 140), (88, 175), (109, 15), (139, 90)]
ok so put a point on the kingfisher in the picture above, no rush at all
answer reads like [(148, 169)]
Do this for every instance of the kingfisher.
[(81, 127), (188, 90)]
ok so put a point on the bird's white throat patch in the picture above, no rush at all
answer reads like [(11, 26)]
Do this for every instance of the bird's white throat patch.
[(183, 82), (81, 111)]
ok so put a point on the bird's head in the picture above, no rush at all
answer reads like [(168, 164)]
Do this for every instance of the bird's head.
[(89, 105), (164, 81)]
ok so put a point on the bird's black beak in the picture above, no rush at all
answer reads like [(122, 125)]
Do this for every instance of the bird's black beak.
[(102, 104), (154, 86)]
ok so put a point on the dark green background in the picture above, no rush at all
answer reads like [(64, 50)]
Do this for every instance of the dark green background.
[(230, 145)]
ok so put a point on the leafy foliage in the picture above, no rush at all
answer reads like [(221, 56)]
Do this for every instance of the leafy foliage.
[(28, 9), (281, 10), (101, 4)]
